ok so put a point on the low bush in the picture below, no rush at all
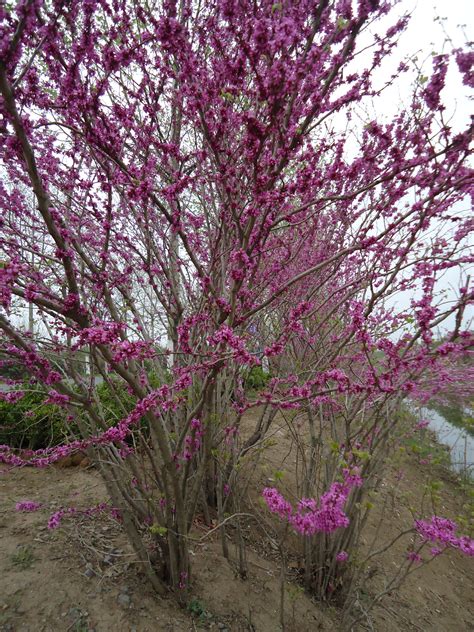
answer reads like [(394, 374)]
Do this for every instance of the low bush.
[(31, 423), (256, 379)]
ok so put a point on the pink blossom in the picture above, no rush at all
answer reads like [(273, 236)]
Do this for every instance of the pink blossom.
[(423, 423), (276, 503), (27, 506), (57, 398), (413, 556), (443, 531), (310, 517), (435, 551), (342, 556)]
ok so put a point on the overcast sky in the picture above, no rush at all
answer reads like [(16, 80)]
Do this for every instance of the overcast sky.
[(434, 27)]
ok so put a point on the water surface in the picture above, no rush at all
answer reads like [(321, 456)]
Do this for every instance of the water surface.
[(458, 440)]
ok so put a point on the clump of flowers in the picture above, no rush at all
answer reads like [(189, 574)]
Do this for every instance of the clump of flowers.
[(442, 532), (192, 441), (309, 518), (413, 556), (27, 506), (423, 423), (342, 557)]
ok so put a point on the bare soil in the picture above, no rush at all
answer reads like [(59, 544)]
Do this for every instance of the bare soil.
[(83, 576)]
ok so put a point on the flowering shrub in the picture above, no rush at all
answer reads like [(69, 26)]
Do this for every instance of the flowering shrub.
[(192, 187)]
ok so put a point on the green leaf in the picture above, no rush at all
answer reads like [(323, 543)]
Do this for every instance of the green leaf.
[(227, 96), (156, 529), (361, 454), (342, 23)]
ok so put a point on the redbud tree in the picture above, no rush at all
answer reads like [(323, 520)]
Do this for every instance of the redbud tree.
[(192, 189)]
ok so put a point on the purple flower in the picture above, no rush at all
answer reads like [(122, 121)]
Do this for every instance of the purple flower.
[(27, 505), (423, 423), (276, 503), (342, 556), (55, 520), (413, 556), (309, 517), (443, 531)]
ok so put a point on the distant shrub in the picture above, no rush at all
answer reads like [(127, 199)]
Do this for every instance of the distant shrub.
[(31, 423), (115, 400), (256, 379)]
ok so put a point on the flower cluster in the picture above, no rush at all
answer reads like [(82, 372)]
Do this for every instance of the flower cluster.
[(226, 336), (11, 396), (442, 531), (465, 62), (240, 263), (35, 363), (436, 83), (127, 350), (57, 398), (309, 518), (342, 556), (8, 275), (193, 440), (276, 503), (27, 506), (100, 333), (413, 556)]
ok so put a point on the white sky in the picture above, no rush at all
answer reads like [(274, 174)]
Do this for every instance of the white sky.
[(434, 27)]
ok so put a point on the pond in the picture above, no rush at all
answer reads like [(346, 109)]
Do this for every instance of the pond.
[(457, 439)]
